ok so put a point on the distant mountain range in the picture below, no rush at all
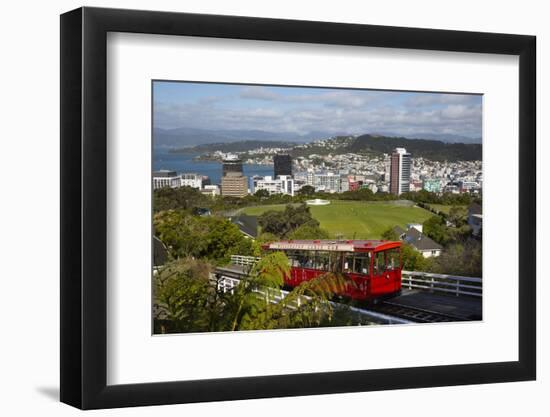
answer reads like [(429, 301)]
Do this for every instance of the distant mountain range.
[(185, 137)]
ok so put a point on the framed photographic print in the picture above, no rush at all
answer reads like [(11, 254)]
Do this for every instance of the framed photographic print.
[(258, 208)]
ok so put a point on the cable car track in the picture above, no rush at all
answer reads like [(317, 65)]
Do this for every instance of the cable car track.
[(384, 308), (414, 314)]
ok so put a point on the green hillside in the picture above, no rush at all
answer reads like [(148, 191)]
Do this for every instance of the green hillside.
[(431, 149)]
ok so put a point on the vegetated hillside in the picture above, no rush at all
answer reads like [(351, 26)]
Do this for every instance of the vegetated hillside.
[(241, 146), (431, 149)]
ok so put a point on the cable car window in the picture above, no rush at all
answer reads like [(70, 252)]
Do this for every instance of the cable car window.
[(392, 259), (348, 263), (322, 261), (362, 264), (308, 259), (294, 258), (380, 263), (303, 259), (334, 261)]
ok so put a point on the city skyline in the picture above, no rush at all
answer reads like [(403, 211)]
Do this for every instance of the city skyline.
[(303, 110)]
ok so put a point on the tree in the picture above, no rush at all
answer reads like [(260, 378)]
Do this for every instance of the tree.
[(273, 222), (182, 198), (362, 194), (266, 238), (306, 190), (390, 234), (414, 260), (213, 238), (457, 215), (261, 194), (282, 223), (460, 259), (436, 229), (179, 232), (181, 293), (308, 231), (223, 239)]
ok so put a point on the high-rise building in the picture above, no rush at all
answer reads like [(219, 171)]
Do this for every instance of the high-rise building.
[(232, 164), (400, 171), (282, 165), (387, 170), (234, 184)]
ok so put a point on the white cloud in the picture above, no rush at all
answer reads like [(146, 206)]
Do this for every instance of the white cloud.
[(337, 111), (259, 93), (433, 99), (460, 111)]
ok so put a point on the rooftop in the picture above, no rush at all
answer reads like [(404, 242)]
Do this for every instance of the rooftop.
[(334, 245), (164, 173), (420, 241)]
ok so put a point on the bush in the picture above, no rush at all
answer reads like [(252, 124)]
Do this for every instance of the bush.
[(213, 238), (283, 223)]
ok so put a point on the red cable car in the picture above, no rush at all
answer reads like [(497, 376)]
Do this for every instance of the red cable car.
[(373, 265)]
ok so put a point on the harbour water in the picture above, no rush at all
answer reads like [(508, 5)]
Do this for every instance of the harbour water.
[(163, 159)]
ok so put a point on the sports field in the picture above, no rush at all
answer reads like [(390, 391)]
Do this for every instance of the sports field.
[(356, 219)]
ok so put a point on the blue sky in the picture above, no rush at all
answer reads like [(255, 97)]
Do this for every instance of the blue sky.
[(302, 110)]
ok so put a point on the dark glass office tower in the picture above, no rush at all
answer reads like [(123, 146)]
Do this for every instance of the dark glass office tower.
[(232, 164), (282, 165)]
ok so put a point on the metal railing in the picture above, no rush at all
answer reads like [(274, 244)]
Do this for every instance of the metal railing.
[(244, 260), (228, 284), (450, 284)]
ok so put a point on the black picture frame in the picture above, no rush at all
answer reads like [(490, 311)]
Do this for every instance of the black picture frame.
[(84, 207)]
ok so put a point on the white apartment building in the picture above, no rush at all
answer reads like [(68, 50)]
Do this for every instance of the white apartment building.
[(166, 178), (283, 184), (211, 190), (328, 182), (469, 186), (191, 180), (344, 183), (305, 177)]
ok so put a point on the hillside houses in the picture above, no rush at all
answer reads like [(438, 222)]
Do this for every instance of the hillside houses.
[(422, 243)]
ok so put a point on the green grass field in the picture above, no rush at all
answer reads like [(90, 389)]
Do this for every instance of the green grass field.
[(355, 219)]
